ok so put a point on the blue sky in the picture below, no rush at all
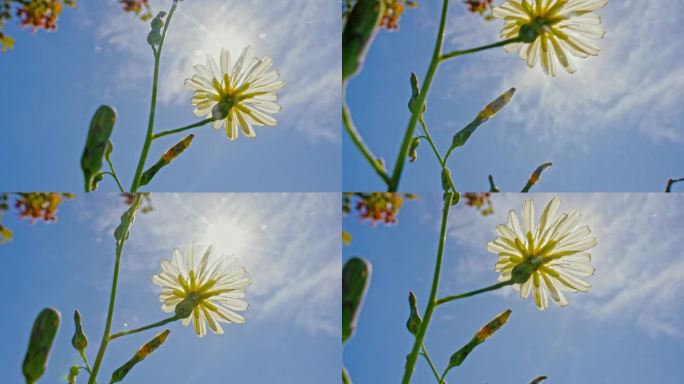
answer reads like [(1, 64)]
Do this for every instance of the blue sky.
[(53, 82), (289, 244), (612, 126), (628, 329)]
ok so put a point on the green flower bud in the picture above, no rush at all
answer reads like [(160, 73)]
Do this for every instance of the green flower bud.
[(184, 308), (139, 356), (414, 321), (42, 338), (529, 32), (523, 271), (79, 340), (413, 151)]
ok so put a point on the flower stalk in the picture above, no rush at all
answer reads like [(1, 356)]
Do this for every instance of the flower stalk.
[(432, 301), (153, 104)]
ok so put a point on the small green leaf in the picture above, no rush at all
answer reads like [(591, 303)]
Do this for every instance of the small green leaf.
[(488, 112), (166, 159), (97, 144), (356, 276), (536, 175), (538, 380), (42, 338), (414, 321), (359, 31), (79, 341), (139, 356)]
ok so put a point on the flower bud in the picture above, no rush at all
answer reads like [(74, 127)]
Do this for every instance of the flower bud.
[(413, 151), (529, 32), (139, 356), (184, 309), (414, 321), (42, 338), (79, 340)]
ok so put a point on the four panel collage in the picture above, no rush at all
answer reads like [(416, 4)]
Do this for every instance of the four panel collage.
[(500, 200)]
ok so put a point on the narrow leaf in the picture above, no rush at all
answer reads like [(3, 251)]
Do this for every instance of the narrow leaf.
[(166, 159), (488, 112), (100, 130), (42, 338), (356, 276), (538, 380), (139, 356), (359, 31), (536, 175)]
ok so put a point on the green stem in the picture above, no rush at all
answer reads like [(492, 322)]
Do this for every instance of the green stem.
[(113, 173), (442, 163), (420, 102), (85, 361), (432, 365), (361, 145), (153, 105), (432, 301), (441, 379), (473, 293), (453, 54), (191, 126), (112, 300), (145, 328)]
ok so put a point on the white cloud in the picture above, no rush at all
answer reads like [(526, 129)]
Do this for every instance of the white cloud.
[(289, 243), (640, 268), (302, 39)]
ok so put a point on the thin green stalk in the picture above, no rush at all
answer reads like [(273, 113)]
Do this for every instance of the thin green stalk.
[(113, 173), (191, 126), (432, 365), (473, 293), (442, 163), (85, 361), (441, 379), (420, 101), (153, 104), (145, 328), (432, 301), (501, 43), (361, 145)]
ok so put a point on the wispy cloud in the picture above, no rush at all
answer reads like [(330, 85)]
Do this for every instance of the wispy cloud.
[(302, 39), (289, 244), (640, 268)]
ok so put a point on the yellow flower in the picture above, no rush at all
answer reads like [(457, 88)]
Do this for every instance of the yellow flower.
[(546, 258), (211, 290), (551, 29), (240, 96)]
